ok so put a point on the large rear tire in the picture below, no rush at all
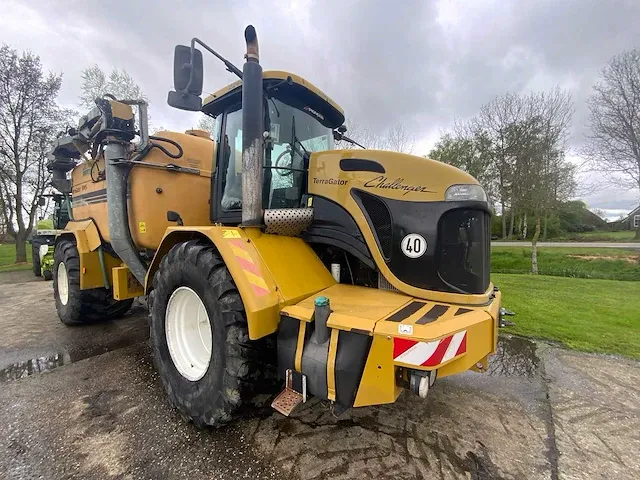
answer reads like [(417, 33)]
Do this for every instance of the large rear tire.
[(200, 336), (77, 306), (35, 258)]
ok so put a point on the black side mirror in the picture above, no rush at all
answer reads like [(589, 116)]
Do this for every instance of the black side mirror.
[(342, 129), (188, 74)]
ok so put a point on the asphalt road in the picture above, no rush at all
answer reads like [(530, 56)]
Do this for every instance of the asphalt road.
[(70, 410), (630, 245)]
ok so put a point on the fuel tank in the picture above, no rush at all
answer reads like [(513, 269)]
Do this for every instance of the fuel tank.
[(158, 185)]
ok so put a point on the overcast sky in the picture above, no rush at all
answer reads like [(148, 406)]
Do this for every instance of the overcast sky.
[(416, 62)]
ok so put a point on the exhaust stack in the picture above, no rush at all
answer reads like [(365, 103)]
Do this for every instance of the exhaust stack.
[(252, 131)]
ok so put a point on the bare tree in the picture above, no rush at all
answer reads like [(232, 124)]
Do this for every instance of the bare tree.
[(361, 133), (501, 122), (613, 145), (95, 84), (209, 125), (396, 138), (399, 140), (29, 120), (545, 177), (515, 147), (3, 224), (600, 213)]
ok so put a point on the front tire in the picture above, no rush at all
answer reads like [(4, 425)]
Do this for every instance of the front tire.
[(200, 336), (77, 306)]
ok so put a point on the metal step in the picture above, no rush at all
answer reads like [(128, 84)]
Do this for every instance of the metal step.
[(286, 401), (289, 398)]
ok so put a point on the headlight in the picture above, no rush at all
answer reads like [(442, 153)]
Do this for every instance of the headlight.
[(44, 249), (465, 192)]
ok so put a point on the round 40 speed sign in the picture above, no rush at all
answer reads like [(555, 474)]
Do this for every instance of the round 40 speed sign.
[(413, 245)]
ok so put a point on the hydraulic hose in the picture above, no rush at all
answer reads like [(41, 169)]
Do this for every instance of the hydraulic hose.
[(164, 150)]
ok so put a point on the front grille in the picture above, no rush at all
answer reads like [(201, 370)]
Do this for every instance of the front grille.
[(379, 219), (384, 284), (464, 250)]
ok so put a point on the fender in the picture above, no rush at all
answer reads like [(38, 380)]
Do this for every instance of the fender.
[(88, 241), (270, 271)]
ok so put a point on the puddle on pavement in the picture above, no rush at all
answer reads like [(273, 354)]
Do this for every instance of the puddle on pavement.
[(515, 357), (46, 363), (36, 365)]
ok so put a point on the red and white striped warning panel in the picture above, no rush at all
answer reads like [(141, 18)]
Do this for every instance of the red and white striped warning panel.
[(429, 354)]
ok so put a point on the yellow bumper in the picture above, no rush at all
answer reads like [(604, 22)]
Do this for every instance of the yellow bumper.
[(427, 336), (408, 333)]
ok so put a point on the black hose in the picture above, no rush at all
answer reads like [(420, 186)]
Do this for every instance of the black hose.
[(163, 149), (95, 164), (96, 150)]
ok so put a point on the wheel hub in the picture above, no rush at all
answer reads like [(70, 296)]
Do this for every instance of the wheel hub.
[(188, 333), (63, 283)]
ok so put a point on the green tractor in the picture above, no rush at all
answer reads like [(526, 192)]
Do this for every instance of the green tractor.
[(43, 242)]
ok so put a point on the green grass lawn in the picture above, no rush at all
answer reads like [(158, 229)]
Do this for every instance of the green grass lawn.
[(621, 236), (600, 263), (597, 236), (592, 315), (8, 257)]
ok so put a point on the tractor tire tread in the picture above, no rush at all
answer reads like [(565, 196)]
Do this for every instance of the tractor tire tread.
[(241, 368), (84, 306)]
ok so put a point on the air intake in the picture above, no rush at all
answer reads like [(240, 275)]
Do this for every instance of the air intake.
[(384, 284), (379, 219)]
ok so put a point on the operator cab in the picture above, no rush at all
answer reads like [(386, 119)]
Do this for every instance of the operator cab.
[(300, 120)]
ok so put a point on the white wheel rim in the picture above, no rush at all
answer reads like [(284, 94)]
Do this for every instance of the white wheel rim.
[(63, 283), (188, 332)]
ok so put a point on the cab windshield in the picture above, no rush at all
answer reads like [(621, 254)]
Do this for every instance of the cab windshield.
[(296, 130)]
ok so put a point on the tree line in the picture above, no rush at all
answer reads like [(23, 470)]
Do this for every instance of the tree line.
[(30, 121), (516, 148)]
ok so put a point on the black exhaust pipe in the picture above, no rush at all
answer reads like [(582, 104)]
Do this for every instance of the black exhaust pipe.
[(252, 133)]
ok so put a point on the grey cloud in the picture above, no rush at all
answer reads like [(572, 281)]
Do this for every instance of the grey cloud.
[(417, 62), (613, 199)]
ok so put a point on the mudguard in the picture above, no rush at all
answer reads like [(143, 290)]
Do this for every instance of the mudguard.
[(270, 271), (88, 241)]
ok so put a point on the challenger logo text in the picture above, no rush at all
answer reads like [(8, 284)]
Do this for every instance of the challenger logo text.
[(397, 184)]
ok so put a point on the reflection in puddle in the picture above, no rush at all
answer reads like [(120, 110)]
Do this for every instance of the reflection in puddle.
[(25, 368), (516, 357), (35, 365)]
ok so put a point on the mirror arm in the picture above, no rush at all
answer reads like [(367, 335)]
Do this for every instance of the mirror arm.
[(230, 66)]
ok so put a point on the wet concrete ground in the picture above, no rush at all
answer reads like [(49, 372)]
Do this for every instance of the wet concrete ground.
[(541, 412)]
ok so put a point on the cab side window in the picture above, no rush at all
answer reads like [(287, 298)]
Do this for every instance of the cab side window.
[(232, 166)]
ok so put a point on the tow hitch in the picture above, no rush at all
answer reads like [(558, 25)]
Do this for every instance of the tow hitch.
[(420, 381), (505, 313)]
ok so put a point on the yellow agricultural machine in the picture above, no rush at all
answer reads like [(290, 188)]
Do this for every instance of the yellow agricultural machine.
[(356, 273)]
